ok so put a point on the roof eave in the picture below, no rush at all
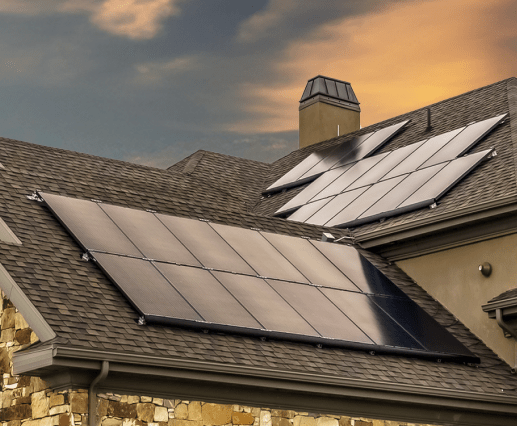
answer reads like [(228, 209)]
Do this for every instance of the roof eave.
[(66, 368), (443, 231)]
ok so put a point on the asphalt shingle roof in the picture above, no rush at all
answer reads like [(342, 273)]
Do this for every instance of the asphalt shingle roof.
[(87, 311)]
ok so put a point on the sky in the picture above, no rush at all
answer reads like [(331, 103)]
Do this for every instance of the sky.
[(152, 81)]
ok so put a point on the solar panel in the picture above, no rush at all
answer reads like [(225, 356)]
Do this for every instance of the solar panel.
[(292, 178), (308, 210), (349, 216), (265, 304), (358, 269), (464, 141), (375, 173), (205, 244), (145, 287), (399, 193), (446, 178), (395, 182), (420, 325), (312, 190), (426, 149), (259, 253), (309, 261), (90, 225), (341, 151), (373, 143), (150, 235), (319, 311), (212, 301), (331, 209), (252, 282), (349, 151), (373, 321), (350, 176)]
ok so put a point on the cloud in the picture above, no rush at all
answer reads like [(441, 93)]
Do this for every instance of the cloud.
[(397, 59), (159, 72), (135, 19), (257, 26)]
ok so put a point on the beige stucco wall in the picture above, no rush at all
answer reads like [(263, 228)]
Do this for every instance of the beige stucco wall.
[(319, 121), (453, 278)]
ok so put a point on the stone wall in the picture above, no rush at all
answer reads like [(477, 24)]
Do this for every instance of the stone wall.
[(28, 401)]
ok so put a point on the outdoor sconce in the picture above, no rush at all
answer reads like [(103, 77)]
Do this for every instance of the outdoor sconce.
[(486, 269)]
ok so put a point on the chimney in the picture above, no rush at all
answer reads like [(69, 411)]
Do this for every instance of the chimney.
[(327, 105)]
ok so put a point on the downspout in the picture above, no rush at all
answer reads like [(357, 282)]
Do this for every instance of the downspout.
[(92, 395)]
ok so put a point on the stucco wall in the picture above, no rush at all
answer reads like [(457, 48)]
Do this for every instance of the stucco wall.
[(453, 278), (319, 121)]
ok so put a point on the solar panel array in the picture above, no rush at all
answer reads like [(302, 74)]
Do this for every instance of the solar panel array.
[(193, 273), (408, 178), (338, 156)]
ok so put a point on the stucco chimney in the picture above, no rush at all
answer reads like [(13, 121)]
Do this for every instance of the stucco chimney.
[(327, 103)]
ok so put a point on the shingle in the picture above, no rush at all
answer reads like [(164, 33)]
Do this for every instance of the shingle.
[(87, 311)]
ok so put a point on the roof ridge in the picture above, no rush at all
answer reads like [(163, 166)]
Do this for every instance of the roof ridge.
[(511, 87)]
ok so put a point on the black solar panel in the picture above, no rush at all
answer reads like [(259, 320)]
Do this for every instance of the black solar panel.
[(250, 282)]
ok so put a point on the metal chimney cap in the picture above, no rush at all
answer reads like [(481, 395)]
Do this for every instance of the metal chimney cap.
[(326, 86)]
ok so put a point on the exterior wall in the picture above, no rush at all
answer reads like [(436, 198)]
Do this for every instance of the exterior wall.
[(28, 401), (319, 121), (453, 278)]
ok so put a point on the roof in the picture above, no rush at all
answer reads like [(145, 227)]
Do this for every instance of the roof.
[(93, 321), (490, 184)]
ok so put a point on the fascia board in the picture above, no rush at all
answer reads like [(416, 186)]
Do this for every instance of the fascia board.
[(504, 303), (436, 223), (29, 312), (265, 382)]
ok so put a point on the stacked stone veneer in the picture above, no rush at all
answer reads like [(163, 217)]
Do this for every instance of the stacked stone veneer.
[(28, 401)]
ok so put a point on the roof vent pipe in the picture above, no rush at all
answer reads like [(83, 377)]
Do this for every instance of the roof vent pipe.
[(428, 119)]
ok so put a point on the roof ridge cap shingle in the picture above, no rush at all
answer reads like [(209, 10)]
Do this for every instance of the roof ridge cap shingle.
[(511, 86)]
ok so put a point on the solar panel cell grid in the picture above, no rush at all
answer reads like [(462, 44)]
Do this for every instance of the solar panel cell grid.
[(315, 291)]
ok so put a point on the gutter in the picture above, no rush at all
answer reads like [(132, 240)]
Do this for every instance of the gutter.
[(436, 223), (253, 385)]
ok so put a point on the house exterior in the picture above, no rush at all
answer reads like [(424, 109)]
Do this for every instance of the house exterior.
[(75, 351)]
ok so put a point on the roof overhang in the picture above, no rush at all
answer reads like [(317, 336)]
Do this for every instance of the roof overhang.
[(73, 368), (440, 232)]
